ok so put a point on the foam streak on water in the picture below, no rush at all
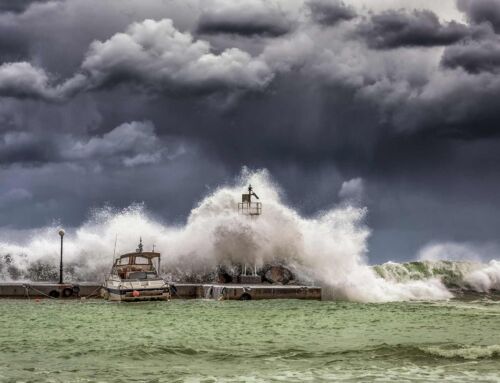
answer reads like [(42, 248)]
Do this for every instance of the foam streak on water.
[(329, 249)]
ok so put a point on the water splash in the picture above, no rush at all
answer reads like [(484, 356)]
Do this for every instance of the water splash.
[(451, 273), (486, 278), (329, 249)]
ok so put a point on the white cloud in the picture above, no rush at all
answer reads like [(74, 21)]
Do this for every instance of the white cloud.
[(133, 143), (151, 53), (156, 54), (22, 80)]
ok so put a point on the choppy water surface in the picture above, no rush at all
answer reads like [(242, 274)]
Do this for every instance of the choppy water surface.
[(96, 341)]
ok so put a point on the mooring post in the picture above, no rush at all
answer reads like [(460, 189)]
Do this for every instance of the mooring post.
[(61, 233)]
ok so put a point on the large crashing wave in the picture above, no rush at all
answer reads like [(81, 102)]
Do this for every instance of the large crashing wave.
[(328, 249), (467, 275)]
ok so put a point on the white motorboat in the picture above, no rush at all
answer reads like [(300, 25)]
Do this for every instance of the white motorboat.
[(134, 277)]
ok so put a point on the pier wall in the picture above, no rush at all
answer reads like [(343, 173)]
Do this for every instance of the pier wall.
[(179, 291), (52, 290), (254, 292)]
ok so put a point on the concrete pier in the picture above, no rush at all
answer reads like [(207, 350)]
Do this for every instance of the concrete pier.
[(49, 290), (179, 291), (244, 292)]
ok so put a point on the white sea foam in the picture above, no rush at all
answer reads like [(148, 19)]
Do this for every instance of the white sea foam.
[(451, 272), (486, 278), (465, 352), (329, 249)]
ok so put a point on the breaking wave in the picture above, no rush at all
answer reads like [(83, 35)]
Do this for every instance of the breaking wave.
[(464, 352), (328, 249), (464, 275)]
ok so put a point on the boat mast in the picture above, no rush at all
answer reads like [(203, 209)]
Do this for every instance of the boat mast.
[(139, 248), (114, 249), (158, 259)]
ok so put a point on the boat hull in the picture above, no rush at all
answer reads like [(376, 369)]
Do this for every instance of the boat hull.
[(136, 293), (127, 295), (134, 277)]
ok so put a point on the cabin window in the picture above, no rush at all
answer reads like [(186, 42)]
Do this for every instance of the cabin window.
[(123, 261), (141, 261), (137, 275)]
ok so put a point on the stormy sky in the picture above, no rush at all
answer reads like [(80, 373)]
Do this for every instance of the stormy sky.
[(122, 101)]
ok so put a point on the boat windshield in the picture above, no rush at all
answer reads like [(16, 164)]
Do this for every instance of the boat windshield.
[(142, 275), (123, 261)]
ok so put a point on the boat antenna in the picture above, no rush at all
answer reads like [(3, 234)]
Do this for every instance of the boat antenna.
[(114, 250), (159, 260)]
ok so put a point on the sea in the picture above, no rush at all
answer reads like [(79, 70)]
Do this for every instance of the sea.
[(456, 340), (432, 319)]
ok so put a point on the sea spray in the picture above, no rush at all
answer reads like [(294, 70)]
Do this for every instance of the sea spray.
[(486, 278), (451, 273), (329, 249)]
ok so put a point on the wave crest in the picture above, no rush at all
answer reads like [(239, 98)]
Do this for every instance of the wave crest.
[(464, 352)]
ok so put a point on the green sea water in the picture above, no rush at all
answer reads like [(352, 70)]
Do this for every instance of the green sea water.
[(254, 341)]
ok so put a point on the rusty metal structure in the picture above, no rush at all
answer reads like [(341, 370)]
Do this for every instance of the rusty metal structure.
[(252, 209), (247, 207)]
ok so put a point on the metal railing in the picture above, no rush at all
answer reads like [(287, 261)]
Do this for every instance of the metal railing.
[(250, 208)]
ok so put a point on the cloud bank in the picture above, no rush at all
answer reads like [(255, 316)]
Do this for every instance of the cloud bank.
[(320, 93)]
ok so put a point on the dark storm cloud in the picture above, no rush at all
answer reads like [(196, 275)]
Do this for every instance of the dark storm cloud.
[(14, 196), (482, 11), (24, 147), (18, 5), (151, 53), (330, 13), (316, 106), (474, 56), (132, 144), (452, 105), (240, 19), (393, 29), (46, 29), (129, 144), (14, 45), (68, 192)]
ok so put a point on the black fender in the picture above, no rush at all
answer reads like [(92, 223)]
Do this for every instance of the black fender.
[(67, 292)]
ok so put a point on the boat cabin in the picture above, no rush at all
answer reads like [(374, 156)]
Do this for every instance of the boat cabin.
[(137, 266)]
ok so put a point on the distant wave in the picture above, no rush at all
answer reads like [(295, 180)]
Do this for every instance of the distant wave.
[(464, 352), (406, 351), (464, 275)]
